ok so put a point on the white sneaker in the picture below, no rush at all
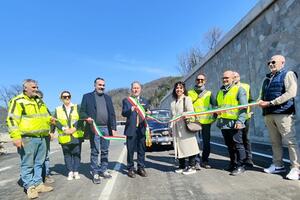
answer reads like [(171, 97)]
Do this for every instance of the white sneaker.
[(293, 174), (76, 175), (274, 169), (179, 171), (70, 176), (189, 170)]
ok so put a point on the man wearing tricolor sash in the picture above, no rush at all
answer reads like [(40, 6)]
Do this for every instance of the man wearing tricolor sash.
[(134, 109)]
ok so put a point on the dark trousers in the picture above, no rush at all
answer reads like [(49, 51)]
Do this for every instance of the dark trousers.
[(192, 162), (72, 155), (234, 141), (246, 140), (136, 142), (205, 132)]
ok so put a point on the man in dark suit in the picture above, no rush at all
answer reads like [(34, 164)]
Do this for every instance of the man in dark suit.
[(98, 107), (135, 129)]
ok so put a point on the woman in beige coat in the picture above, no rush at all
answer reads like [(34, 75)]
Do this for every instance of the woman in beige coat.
[(185, 142)]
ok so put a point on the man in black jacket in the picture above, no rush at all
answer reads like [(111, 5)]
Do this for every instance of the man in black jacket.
[(98, 107)]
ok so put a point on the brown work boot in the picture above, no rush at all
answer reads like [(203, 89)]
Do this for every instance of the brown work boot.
[(43, 188), (32, 193), (49, 179)]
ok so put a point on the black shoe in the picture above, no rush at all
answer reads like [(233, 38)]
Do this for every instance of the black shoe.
[(142, 172), (96, 179), (205, 165), (230, 168), (237, 171), (131, 174), (248, 163), (105, 175)]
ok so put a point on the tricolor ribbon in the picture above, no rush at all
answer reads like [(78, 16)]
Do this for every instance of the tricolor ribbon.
[(141, 112), (193, 114), (106, 137)]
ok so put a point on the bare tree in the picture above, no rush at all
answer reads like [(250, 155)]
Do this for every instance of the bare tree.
[(212, 37), (188, 60), (6, 93)]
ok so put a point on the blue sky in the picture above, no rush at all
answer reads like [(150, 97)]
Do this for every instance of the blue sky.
[(66, 44)]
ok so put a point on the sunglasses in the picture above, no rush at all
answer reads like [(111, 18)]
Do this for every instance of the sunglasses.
[(66, 97), (200, 79), (271, 62)]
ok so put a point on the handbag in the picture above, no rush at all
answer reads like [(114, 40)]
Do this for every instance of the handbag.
[(193, 126)]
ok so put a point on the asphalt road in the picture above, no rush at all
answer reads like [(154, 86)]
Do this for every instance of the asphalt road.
[(161, 183)]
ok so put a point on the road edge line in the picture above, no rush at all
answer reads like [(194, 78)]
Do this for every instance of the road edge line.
[(107, 190), (253, 152)]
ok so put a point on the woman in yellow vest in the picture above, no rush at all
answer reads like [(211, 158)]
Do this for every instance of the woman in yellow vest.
[(70, 135)]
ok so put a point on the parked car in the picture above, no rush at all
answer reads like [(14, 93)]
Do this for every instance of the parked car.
[(161, 133)]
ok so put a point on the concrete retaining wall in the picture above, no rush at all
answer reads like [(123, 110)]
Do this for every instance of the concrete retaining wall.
[(271, 27)]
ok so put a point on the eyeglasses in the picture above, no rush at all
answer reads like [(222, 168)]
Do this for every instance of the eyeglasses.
[(200, 79), (66, 97), (271, 62)]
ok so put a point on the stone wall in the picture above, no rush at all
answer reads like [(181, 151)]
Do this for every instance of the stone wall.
[(271, 27)]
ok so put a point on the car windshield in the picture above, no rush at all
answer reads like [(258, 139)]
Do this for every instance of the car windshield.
[(163, 115)]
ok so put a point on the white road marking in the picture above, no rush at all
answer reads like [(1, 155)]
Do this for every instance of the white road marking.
[(253, 152), (110, 184), (5, 168), (4, 182)]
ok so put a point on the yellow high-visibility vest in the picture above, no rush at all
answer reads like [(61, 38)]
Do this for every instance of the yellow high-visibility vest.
[(229, 100), (201, 104), (247, 89), (63, 119), (27, 117)]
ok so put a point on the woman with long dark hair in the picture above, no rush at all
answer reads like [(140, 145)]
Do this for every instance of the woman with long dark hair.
[(185, 142)]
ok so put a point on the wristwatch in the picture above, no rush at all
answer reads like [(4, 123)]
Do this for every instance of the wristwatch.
[(271, 104)]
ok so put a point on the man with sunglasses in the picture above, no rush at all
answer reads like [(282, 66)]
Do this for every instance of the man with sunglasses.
[(97, 107), (203, 100), (278, 94)]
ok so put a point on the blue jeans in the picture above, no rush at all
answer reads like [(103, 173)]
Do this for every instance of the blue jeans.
[(46, 167), (33, 154), (99, 145)]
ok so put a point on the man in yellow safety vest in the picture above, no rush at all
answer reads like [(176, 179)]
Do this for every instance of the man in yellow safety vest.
[(231, 122), (28, 124), (248, 161), (203, 100)]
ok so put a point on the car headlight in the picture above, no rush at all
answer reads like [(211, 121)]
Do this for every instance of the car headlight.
[(165, 133)]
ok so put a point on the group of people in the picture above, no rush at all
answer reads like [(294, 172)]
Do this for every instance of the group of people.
[(31, 126), (277, 100)]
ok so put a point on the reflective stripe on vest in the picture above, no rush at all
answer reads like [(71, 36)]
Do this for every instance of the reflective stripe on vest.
[(201, 104), (247, 89), (27, 116), (229, 100), (63, 119)]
